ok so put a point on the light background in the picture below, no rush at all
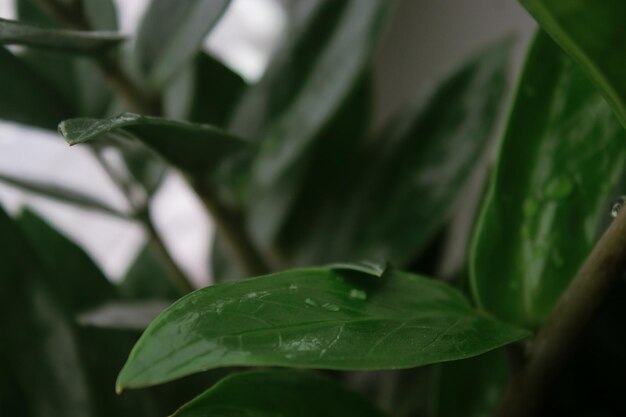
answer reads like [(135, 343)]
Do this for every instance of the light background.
[(426, 39)]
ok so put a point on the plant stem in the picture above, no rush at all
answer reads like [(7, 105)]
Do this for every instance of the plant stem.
[(556, 340), (142, 214), (230, 226)]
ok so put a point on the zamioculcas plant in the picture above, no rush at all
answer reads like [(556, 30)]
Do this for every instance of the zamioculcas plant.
[(330, 235)]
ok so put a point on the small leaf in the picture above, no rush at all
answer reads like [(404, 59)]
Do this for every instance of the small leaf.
[(274, 393), (63, 194), (195, 149), (171, 33), (560, 158), (19, 85), (81, 42), (314, 318), (593, 34)]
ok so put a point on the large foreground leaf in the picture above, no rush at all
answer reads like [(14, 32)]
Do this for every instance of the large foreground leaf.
[(84, 42), (315, 318), (561, 156), (195, 149), (171, 33), (278, 393), (594, 34)]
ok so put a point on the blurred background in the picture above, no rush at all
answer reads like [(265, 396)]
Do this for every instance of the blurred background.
[(426, 39)]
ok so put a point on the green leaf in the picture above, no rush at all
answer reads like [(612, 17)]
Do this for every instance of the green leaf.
[(471, 388), (148, 278), (63, 194), (336, 70), (314, 318), (593, 34), (171, 33), (75, 41), (206, 92), (560, 158), (195, 149), (19, 85), (278, 393), (389, 200)]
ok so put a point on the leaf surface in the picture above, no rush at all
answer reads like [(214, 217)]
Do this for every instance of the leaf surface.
[(75, 41), (314, 318), (562, 155), (278, 393), (594, 35), (195, 149), (171, 33)]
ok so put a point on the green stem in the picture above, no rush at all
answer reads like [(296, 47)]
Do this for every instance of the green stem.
[(558, 337)]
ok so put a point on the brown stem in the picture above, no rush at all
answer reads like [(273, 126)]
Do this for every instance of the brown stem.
[(556, 340), (230, 226)]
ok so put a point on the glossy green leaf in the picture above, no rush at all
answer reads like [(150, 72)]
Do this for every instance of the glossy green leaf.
[(196, 149), (19, 85), (471, 388), (206, 92), (389, 200), (148, 278), (593, 33), (63, 194), (82, 42), (561, 156), (335, 72), (171, 34), (278, 393), (315, 318)]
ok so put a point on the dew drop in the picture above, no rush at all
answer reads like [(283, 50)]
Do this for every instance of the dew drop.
[(331, 307), (357, 294), (293, 287), (617, 206), (311, 302)]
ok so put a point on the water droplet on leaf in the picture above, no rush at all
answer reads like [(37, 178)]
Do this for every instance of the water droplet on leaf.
[(358, 294), (331, 307), (617, 206), (311, 302)]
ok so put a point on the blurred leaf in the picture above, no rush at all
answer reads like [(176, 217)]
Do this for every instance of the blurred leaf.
[(336, 70), (195, 149), (171, 34), (278, 393), (75, 41), (561, 156), (206, 92), (388, 200), (315, 318), (471, 388), (146, 168), (19, 85), (78, 79), (593, 34), (148, 279), (62, 194)]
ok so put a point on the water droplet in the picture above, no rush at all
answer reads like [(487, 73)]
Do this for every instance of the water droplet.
[(617, 206), (219, 311), (311, 302), (558, 188), (293, 287), (358, 294), (331, 307)]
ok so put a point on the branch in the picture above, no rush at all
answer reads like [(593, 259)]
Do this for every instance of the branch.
[(556, 340)]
